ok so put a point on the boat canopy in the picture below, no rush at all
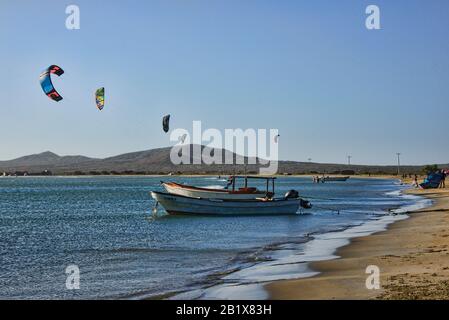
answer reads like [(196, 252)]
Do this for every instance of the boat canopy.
[(232, 181)]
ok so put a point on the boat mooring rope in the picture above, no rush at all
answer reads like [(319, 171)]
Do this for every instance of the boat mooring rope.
[(318, 198), (325, 208)]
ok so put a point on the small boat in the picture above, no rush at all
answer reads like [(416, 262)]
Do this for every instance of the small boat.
[(267, 205), (330, 179), (229, 192), (182, 205), (333, 179)]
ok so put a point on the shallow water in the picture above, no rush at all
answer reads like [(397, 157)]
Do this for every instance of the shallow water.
[(104, 226)]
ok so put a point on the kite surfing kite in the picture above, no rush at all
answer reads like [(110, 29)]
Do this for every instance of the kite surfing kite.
[(166, 123), (46, 83), (99, 98)]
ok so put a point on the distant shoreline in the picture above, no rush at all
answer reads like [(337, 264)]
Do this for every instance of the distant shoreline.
[(158, 162), (213, 175)]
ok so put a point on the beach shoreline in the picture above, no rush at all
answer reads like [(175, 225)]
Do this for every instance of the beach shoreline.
[(412, 256)]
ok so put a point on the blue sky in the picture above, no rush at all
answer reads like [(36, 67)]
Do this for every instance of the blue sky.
[(308, 68)]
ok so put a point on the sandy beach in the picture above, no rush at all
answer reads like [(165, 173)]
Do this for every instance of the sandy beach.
[(412, 255)]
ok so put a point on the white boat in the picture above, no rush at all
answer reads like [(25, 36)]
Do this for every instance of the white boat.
[(229, 192), (182, 205), (211, 205)]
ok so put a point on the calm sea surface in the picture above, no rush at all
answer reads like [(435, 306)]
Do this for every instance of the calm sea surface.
[(104, 226)]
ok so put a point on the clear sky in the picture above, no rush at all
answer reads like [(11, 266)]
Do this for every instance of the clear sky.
[(308, 68)]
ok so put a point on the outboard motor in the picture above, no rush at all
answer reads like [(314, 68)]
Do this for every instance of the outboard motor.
[(305, 204), (292, 194)]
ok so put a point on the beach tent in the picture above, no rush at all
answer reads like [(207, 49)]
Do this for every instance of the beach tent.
[(432, 181)]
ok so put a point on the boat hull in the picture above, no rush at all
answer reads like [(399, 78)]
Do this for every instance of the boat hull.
[(335, 179), (176, 204), (194, 192)]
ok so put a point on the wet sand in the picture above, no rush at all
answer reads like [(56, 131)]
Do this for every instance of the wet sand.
[(412, 255)]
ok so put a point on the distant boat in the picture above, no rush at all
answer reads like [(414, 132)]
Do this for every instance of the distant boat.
[(333, 179), (229, 192), (224, 202), (330, 179)]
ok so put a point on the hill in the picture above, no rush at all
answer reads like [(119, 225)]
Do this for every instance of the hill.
[(157, 161)]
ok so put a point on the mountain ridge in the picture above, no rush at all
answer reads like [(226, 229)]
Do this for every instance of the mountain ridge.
[(157, 161)]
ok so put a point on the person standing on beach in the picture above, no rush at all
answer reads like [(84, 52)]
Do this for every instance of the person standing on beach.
[(415, 181), (443, 182)]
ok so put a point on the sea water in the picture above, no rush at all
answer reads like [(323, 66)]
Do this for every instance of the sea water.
[(105, 227)]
